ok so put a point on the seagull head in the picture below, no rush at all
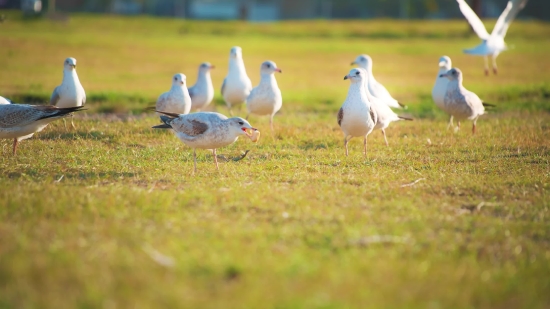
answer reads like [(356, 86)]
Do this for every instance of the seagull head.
[(356, 75), (453, 74), (70, 64), (179, 79), (205, 67), (363, 61), (240, 126), (236, 52), (445, 62), (269, 67)]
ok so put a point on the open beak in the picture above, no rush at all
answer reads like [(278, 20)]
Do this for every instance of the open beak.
[(278, 70), (249, 134)]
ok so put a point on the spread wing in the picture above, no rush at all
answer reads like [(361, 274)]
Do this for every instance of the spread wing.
[(223, 86), (340, 116), (55, 96), (474, 21), (505, 19)]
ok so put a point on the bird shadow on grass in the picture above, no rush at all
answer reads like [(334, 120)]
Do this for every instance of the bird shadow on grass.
[(94, 135)]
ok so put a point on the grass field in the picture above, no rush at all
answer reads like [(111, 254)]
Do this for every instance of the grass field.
[(110, 216)]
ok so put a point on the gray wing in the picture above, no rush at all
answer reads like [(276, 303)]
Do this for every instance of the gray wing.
[(340, 116), (373, 116), (55, 96), (223, 85), (191, 127), (191, 91), (14, 115)]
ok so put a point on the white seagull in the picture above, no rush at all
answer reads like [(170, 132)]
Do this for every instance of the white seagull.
[(206, 130), (461, 103), (493, 44), (236, 86), (440, 88), (384, 114), (177, 99), (70, 93), (202, 92), (21, 121), (376, 89), (356, 118), (266, 98)]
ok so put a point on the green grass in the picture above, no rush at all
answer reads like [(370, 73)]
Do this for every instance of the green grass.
[(110, 216)]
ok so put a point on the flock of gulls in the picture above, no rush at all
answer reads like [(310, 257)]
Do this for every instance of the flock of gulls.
[(367, 107)]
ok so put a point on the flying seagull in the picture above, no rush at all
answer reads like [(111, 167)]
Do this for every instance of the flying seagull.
[(492, 44)]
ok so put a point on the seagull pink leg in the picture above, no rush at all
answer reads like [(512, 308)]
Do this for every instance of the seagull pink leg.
[(385, 139), (486, 65), (14, 146), (216, 159), (365, 145), (346, 144)]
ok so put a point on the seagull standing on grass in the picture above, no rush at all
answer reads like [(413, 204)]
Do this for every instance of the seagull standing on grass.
[(21, 121), (440, 88), (266, 98), (70, 93), (493, 44), (177, 99), (4, 101), (355, 117), (384, 114), (461, 103), (206, 130), (236, 86), (202, 92), (375, 88)]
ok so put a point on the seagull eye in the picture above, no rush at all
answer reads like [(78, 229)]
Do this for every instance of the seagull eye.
[(357, 73), (241, 123), (268, 66)]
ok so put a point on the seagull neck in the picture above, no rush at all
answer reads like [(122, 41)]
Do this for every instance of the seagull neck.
[(356, 89), (443, 70), (204, 78), (70, 75), (177, 87), (268, 79), (236, 64)]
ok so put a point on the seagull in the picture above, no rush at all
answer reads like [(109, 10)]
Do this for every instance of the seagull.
[(376, 89), (266, 98), (236, 86), (355, 117), (177, 99), (202, 92), (459, 102), (493, 44), (440, 87), (4, 101), (21, 121), (384, 114), (70, 93), (206, 130)]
